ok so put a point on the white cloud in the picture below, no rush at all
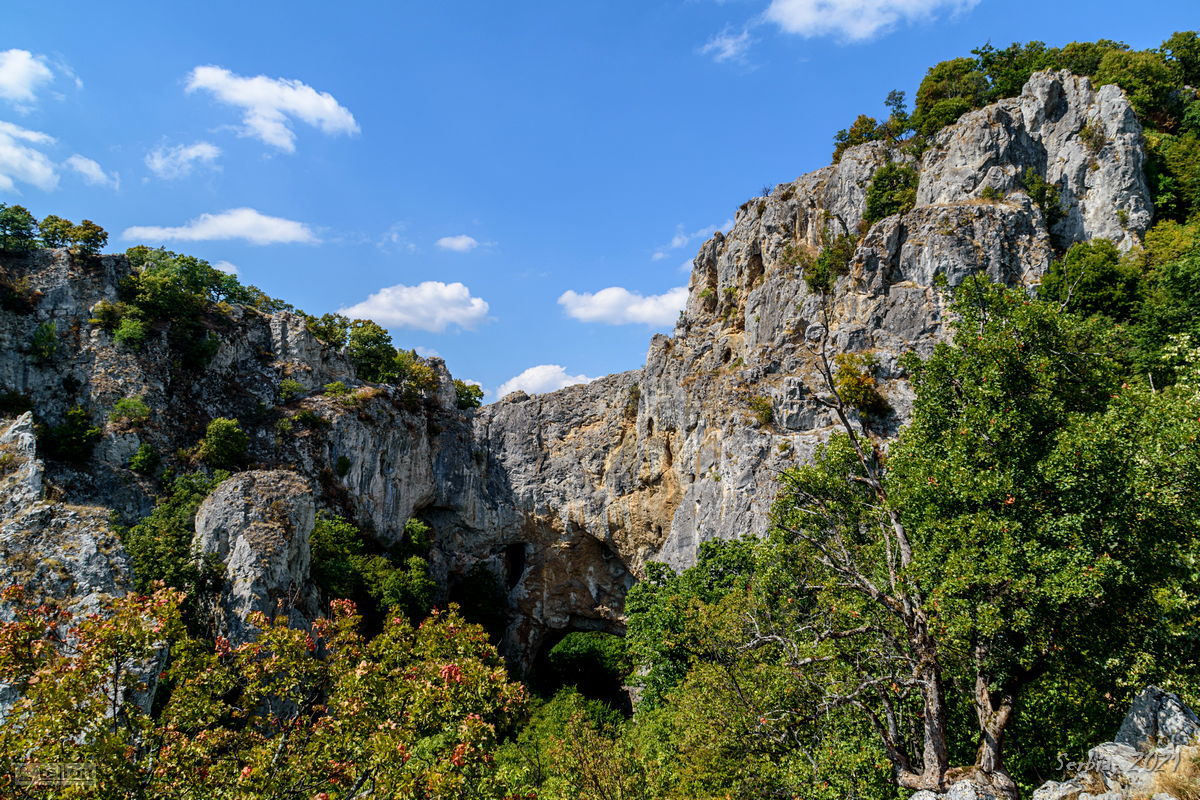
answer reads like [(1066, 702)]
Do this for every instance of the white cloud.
[(270, 104), (236, 223), (21, 75), (93, 174), (459, 244), (855, 20), (225, 266), (426, 352), (728, 46), (180, 160), (542, 378), (682, 238), (618, 306), (21, 161), (428, 306)]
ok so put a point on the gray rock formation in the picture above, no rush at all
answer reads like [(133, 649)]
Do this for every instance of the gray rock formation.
[(565, 497), (256, 527), (1159, 717), (1156, 741)]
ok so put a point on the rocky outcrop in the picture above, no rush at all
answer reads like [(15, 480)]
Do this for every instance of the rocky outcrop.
[(561, 498), (1154, 755), (254, 529), (686, 457)]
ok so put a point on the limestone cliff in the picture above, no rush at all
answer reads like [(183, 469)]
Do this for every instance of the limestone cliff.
[(564, 497)]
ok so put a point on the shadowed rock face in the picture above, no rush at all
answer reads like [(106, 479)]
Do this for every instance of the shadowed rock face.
[(565, 497)]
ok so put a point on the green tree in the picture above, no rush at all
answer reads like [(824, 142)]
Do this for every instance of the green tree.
[(1029, 519), (371, 352), (949, 90), (865, 129), (469, 395), (1147, 78), (332, 329), (160, 544), (893, 190), (1092, 278), (224, 444), (1183, 50), (55, 231), (18, 229), (88, 238)]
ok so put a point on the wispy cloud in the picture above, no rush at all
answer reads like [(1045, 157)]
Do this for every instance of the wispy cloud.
[(181, 160), (430, 306), (539, 379), (394, 238), (269, 105), (618, 306), (236, 223), (728, 46), (225, 266), (683, 238), (856, 20), (91, 171)]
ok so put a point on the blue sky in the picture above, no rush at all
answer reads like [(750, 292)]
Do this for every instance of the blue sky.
[(472, 174)]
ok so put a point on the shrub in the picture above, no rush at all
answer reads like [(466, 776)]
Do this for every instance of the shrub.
[(893, 190), (145, 461), (763, 409), (74, 439), (160, 545), (342, 466), (834, 259), (224, 444), (44, 344), (131, 333), (1044, 195), (468, 395), (130, 411), (394, 582), (290, 388), (337, 390), (108, 315), (855, 383), (1092, 136), (949, 90)]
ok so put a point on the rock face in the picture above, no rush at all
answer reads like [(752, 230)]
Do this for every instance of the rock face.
[(256, 527), (562, 498)]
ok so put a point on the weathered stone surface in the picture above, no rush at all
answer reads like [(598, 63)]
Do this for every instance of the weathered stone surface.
[(1158, 718), (256, 526)]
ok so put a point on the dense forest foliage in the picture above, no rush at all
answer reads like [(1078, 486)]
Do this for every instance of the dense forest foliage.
[(984, 592)]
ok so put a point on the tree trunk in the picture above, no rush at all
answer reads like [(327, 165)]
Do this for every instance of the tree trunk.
[(994, 711)]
